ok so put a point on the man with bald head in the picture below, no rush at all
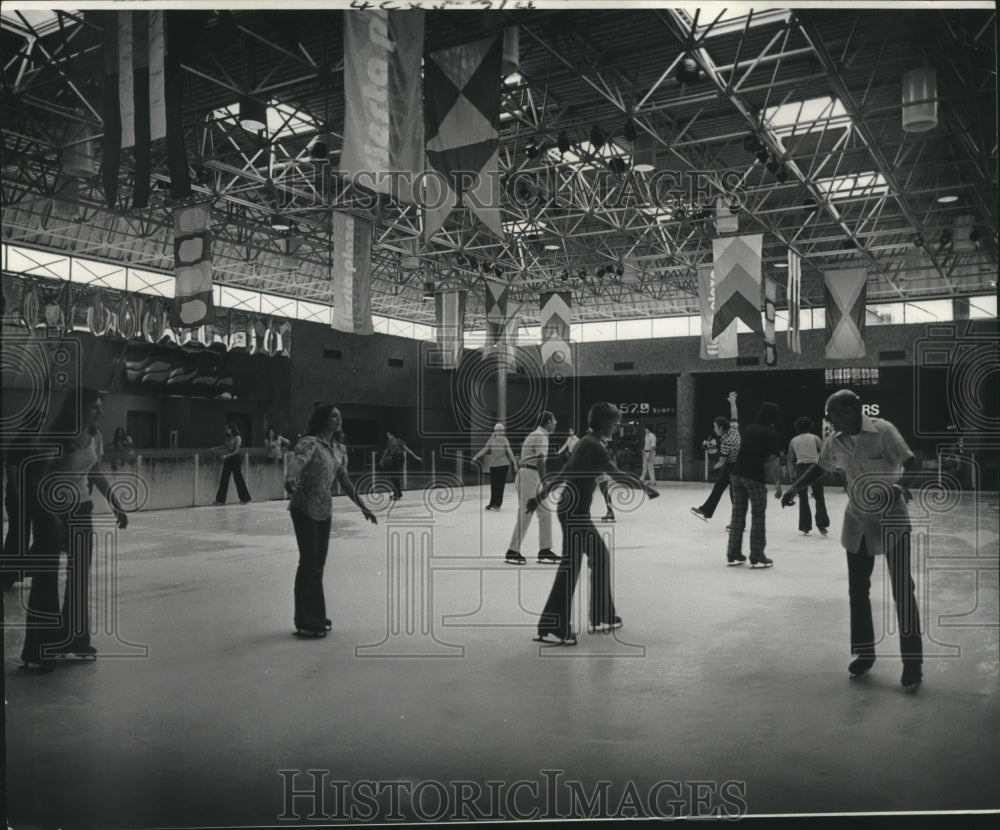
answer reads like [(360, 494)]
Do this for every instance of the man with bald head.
[(878, 466)]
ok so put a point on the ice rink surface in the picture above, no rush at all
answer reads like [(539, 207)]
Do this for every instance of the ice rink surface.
[(726, 690)]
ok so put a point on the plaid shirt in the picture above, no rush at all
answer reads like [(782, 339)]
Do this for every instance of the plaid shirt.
[(729, 446)]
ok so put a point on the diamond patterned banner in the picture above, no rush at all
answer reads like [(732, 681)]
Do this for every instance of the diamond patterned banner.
[(737, 287), (846, 296), (496, 311), (461, 123)]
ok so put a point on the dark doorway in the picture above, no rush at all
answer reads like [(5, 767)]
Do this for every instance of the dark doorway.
[(141, 428)]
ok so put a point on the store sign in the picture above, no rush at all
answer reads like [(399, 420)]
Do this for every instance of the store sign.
[(870, 409), (645, 408)]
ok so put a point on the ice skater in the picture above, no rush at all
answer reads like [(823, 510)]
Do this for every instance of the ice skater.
[(880, 470), (728, 432), (589, 460), (803, 452), (530, 472)]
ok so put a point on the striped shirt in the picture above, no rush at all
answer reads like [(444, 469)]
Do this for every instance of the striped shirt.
[(729, 446)]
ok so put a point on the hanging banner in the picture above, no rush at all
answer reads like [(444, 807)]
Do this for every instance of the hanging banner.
[(383, 123), (134, 96), (555, 314), (462, 124), (507, 348), (130, 316), (154, 320), (794, 301), (496, 311), (193, 304), (352, 255), (449, 311), (770, 299), (737, 282), (846, 297), (725, 345)]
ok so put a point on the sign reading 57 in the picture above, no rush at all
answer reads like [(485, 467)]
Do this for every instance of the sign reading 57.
[(634, 408)]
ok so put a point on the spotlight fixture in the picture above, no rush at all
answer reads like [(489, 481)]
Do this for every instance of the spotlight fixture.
[(944, 240), (629, 132), (975, 235), (253, 114), (679, 214), (687, 71), (620, 270), (734, 206), (772, 166), (497, 271), (563, 143), (752, 144), (319, 150), (918, 241), (596, 138), (279, 222), (564, 275), (531, 149)]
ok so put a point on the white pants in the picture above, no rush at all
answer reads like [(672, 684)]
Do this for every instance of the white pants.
[(526, 483), (648, 460)]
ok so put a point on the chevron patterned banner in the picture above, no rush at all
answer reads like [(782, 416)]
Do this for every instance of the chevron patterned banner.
[(846, 297), (352, 279), (794, 301), (461, 124), (383, 123), (737, 282), (555, 315), (449, 308), (723, 346), (193, 303), (770, 298)]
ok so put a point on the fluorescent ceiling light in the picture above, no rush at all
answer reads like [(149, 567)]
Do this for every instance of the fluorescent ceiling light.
[(948, 198)]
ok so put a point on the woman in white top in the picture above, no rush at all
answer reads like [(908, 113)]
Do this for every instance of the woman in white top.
[(61, 511), (803, 452), (231, 466), (499, 464)]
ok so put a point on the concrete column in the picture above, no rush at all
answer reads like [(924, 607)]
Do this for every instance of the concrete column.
[(685, 414)]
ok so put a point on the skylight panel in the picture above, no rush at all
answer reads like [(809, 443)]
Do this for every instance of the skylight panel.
[(859, 185), (282, 119), (42, 21), (798, 117), (714, 21)]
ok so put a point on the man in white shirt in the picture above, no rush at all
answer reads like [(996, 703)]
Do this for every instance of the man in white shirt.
[(530, 472), (871, 452), (648, 457)]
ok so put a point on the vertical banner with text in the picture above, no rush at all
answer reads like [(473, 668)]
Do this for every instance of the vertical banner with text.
[(352, 283)]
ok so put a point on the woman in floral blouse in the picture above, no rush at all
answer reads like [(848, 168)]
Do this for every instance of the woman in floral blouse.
[(317, 462)]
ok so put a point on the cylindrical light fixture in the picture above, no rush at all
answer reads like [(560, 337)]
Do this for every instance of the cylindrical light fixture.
[(253, 114), (511, 51), (920, 100), (319, 149), (644, 153), (725, 220), (280, 223)]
